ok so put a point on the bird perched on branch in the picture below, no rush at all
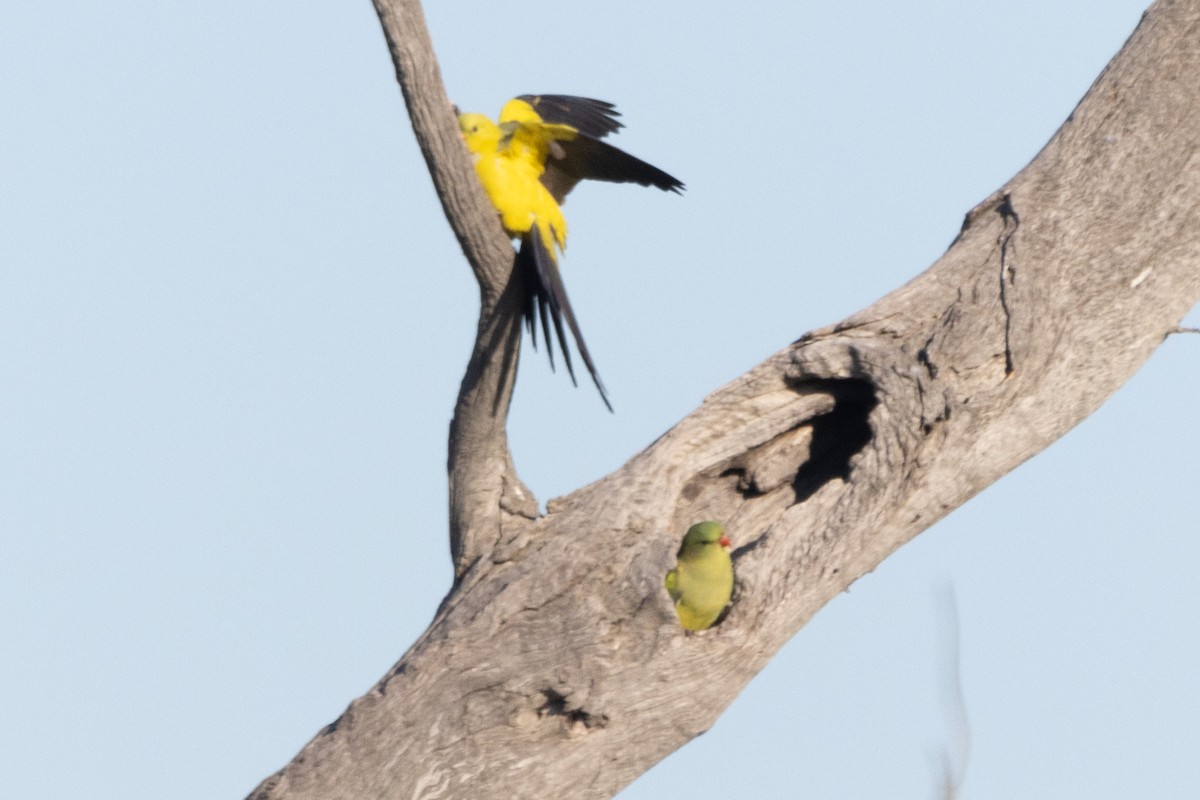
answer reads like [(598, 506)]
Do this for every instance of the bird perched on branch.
[(527, 162), (702, 581)]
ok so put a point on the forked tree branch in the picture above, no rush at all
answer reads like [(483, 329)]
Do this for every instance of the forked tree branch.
[(557, 669), (488, 503)]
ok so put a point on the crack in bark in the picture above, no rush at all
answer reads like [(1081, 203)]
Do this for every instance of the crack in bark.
[(924, 360), (576, 719), (932, 371), (1012, 221), (928, 423)]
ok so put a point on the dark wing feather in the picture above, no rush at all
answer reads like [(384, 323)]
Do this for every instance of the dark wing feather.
[(546, 296), (590, 117), (599, 161)]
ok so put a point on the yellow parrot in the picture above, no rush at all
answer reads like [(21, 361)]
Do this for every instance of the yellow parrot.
[(702, 581), (543, 146)]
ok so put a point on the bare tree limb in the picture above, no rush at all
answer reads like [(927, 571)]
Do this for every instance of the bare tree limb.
[(558, 668), (487, 498)]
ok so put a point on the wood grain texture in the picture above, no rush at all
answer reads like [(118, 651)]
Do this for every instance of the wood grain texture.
[(556, 668)]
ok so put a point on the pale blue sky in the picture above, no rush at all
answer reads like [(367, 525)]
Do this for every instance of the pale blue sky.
[(233, 321)]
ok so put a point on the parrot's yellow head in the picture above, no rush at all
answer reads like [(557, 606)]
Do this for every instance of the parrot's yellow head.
[(480, 133)]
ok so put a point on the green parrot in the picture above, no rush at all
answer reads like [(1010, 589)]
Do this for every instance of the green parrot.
[(702, 582)]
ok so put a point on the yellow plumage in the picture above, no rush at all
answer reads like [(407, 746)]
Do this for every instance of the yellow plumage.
[(542, 146), (509, 160), (530, 137)]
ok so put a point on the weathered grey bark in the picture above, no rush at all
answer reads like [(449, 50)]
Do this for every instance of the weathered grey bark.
[(555, 669), (485, 493)]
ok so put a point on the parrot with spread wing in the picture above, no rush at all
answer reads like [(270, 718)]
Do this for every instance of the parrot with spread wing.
[(528, 161)]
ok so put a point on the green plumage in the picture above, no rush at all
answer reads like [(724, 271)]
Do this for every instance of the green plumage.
[(702, 581)]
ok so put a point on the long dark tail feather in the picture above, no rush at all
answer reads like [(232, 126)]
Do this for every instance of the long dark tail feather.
[(528, 298), (551, 296), (548, 299), (537, 305), (535, 302), (501, 338), (544, 310)]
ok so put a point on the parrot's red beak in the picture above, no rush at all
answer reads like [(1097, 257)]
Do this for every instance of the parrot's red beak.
[(725, 541)]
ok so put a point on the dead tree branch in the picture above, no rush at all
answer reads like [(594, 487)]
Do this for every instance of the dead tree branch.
[(556, 667)]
